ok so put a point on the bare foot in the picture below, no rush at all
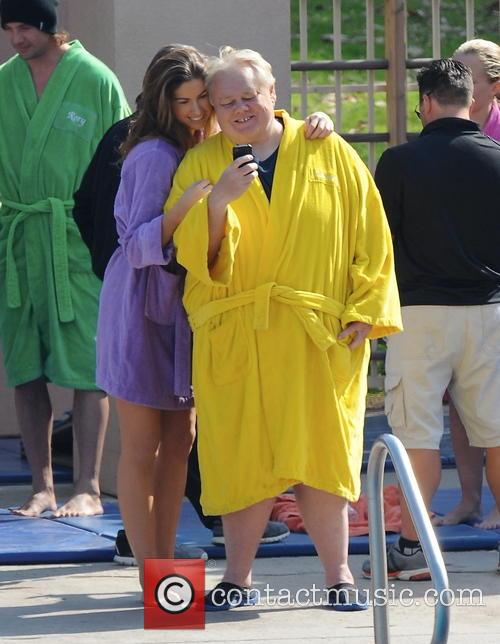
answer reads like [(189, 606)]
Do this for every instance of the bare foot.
[(81, 505), (491, 521), (461, 513), (36, 504)]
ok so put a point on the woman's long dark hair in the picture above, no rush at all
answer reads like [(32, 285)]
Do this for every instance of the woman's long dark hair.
[(172, 66)]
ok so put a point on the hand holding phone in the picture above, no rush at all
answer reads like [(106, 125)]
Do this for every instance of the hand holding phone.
[(235, 179), (242, 150)]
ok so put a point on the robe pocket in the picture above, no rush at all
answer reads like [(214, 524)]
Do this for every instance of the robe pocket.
[(341, 361), (230, 355), (323, 176), (321, 202), (394, 404), (78, 120), (163, 295)]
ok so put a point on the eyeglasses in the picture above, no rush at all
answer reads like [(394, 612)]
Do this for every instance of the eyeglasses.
[(416, 110)]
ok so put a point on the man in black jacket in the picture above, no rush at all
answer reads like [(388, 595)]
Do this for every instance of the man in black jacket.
[(440, 193), (95, 198)]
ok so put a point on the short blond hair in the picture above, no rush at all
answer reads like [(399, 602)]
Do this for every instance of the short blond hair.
[(488, 54), (229, 57)]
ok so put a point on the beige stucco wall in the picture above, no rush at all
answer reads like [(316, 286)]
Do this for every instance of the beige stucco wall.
[(125, 34), (143, 27)]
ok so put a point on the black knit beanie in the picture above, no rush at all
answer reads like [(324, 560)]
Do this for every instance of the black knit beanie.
[(37, 13)]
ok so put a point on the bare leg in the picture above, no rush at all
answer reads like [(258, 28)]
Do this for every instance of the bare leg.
[(177, 436), (325, 517), (90, 419), (243, 531), (34, 415), (469, 462), (492, 521), (140, 430), (426, 465)]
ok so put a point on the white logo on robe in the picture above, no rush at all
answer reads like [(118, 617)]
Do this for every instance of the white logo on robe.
[(324, 176), (75, 118)]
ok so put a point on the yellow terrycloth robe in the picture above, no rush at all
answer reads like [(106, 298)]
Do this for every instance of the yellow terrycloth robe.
[(279, 399)]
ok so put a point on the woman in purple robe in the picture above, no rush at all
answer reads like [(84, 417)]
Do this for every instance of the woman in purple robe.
[(144, 340)]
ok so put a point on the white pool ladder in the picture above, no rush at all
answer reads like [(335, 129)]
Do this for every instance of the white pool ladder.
[(389, 444)]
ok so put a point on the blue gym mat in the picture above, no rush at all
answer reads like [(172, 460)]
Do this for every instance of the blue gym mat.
[(104, 525), (80, 539), (40, 541), (460, 537), (15, 471)]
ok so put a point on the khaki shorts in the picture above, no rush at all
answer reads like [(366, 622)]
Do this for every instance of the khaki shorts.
[(444, 347)]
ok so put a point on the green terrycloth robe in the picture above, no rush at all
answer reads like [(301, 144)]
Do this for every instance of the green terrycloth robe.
[(46, 283)]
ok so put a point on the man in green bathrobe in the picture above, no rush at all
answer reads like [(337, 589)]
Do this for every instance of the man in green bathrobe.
[(56, 102)]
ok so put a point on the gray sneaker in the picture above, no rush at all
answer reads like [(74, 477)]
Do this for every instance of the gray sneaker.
[(408, 564), (275, 531), (185, 551), (125, 557)]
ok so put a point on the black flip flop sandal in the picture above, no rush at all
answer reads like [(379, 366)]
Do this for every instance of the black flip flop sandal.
[(346, 597), (227, 595)]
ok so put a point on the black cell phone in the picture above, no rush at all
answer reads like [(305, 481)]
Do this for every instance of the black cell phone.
[(242, 150)]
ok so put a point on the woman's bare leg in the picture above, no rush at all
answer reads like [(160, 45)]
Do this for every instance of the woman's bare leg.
[(177, 436), (140, 431)]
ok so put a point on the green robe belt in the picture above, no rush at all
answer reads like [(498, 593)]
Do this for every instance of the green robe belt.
[(57, 208)]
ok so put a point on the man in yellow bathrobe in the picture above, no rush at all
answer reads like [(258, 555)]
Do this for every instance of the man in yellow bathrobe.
[(290, 272)]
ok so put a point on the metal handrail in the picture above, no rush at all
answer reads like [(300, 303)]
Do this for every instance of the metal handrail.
[(384, 444)]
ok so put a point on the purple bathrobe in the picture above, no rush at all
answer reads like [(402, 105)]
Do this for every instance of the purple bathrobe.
[(143, 337)]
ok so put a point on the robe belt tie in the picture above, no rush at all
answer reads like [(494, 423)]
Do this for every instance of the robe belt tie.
[(303, 303), (57, 208)]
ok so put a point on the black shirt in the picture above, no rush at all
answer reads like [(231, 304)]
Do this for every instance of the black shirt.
[(266, 168), (441, 195), (266, 172)]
